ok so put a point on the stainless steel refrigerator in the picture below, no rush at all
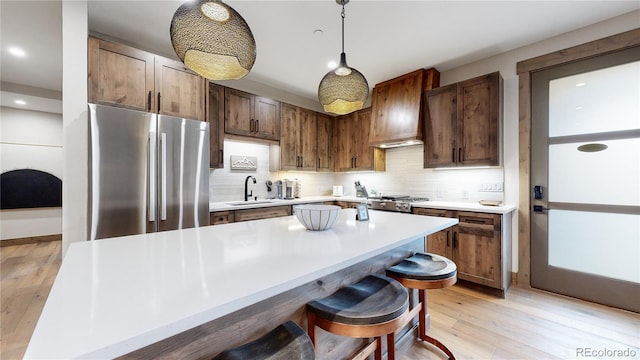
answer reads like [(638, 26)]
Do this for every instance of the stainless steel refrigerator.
[(147, 172)]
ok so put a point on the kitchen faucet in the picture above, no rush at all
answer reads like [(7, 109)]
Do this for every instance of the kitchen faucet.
[(246, 185)]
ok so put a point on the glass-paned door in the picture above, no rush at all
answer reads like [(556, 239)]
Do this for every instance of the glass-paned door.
[(585, 172)]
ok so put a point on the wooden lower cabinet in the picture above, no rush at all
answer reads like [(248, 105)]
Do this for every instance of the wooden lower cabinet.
[(225, 217), (479, 245), (221, 217)]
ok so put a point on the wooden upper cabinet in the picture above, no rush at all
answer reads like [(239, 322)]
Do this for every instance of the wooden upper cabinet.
[(123, 76), (440, 130), (351, 145), (250, 115), (462, 124), (479, 120), (290, 137), (180, 91), (215, 118), (324, 142), (397, 107), (298, 140), (120, 75)]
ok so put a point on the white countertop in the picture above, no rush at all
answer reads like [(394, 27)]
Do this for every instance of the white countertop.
[(446, 205), (113, 296), (464, 206), (260, 203)]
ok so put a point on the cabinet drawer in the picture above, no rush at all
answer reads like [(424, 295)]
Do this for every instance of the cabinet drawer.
[(262, 213), (221, 217), (478, 223), (432, 212)]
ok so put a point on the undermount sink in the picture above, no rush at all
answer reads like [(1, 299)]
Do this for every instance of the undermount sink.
[(238, 203)]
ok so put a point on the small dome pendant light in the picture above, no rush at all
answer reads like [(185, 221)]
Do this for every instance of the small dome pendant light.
[(213, 40), (344, 89)]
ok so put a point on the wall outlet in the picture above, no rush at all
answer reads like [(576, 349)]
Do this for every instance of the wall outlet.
[(490, 187)]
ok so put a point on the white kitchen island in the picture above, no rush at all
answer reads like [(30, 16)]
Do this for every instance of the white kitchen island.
[(114, 296)]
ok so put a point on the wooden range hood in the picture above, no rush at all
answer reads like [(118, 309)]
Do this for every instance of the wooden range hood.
[(397, 108)]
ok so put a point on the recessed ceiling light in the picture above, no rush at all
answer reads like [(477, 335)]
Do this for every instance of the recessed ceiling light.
[(580, 84), (318, 32), (578, 107), (332, 64), (15, 51), (20, 102)]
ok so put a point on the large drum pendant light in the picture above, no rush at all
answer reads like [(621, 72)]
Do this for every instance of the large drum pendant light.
[(213, 40), (344, 89)]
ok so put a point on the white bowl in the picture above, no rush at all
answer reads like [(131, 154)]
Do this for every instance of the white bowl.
[(317, 217)]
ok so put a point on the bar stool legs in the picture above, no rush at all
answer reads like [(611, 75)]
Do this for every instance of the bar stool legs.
[(422, 326), (425, 271)]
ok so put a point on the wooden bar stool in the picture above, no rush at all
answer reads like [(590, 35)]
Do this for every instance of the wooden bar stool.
[(286, 342), (424, 271), (371, 308)]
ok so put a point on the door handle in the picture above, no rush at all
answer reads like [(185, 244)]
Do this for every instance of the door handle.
[(152, 177), (539, 208), (163, 188)]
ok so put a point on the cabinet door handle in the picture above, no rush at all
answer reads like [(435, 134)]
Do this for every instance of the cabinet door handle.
[(301, 161), (459, 154), (221, 156), (453, 155), (455, 239), (158, 102), (257, 125), (448, 234), (251, 125), (318, 163), (149, 101)]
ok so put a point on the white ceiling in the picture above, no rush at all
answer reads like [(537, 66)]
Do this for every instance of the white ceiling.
[(384, 39)]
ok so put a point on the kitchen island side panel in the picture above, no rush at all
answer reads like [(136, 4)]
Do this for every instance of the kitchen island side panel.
[(207, 340)]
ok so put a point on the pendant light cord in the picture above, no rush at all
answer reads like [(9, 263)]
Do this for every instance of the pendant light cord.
[(342, 14)]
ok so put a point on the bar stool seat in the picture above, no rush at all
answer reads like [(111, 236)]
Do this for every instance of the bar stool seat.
[(286, 342), (424, 271), (371, 308)]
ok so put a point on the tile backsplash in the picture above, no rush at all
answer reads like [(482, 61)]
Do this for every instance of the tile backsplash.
[(404, 175)]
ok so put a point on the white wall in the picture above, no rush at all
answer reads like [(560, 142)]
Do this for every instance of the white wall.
[(74, 116), (30, 140)]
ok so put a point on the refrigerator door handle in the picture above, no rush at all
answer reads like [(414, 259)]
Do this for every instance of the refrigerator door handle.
[(152, 176), (163, 189)]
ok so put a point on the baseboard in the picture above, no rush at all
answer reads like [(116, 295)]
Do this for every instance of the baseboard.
[(30, 240), (483, 288)]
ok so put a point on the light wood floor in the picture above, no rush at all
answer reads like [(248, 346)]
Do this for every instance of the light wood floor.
[(528, 324)]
